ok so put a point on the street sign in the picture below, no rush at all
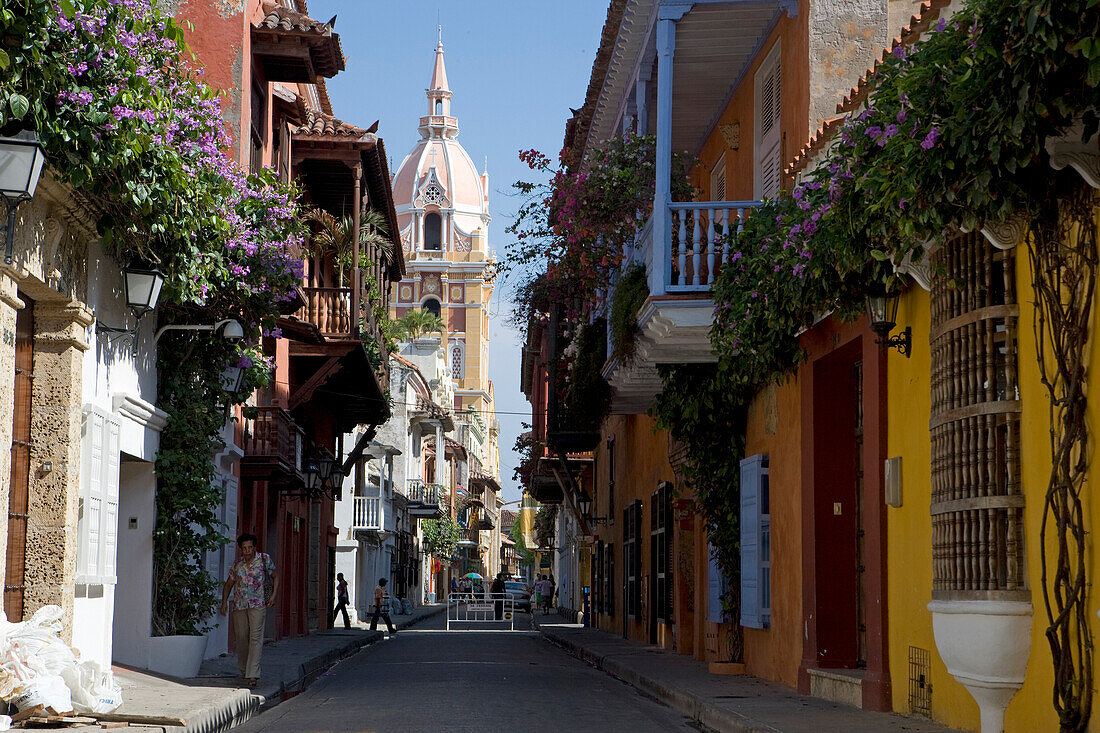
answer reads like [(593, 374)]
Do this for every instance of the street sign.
[(544, 562)]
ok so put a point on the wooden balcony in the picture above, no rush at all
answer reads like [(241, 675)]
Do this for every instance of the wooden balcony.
[(272, 445), (330, 310)]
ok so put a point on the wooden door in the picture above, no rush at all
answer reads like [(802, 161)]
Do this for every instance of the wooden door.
[(20, 463)]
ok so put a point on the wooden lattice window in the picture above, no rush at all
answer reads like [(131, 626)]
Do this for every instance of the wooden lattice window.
[(977, 499)]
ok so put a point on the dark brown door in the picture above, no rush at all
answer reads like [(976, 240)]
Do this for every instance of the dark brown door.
[(20, 462)]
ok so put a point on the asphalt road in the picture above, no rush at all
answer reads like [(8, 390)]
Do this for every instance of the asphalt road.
[(429, 679)]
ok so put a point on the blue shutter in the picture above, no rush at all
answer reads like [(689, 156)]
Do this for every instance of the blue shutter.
[(753, 613), (716, 589)]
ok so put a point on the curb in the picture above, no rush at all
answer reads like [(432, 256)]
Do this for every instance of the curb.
[(706, 715)]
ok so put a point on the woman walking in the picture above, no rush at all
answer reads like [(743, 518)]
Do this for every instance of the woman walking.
[(248, 582)]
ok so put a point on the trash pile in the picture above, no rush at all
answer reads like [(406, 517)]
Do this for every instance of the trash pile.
[(39, 672)]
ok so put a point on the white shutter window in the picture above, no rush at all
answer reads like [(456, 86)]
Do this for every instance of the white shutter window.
[(109, 486), (768, 128), (97, 520), (93, 501)]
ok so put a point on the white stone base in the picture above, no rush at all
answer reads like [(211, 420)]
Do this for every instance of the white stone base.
[(985, 645)]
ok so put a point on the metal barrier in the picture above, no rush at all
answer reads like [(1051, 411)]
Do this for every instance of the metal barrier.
[(481, 609)]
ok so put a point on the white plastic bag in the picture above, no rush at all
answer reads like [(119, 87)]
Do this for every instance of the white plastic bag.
[(49, 691), (93, 688)]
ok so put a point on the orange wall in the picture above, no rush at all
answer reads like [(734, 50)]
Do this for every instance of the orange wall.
[(793, 34), (641, 463), (774, 428)]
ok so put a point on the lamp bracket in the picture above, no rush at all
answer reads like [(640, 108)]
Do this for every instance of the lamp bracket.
[(190, 327), (903, 342), (12, 203), (113, 333)]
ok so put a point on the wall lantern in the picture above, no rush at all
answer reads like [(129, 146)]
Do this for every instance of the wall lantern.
[(143, 283), (882, 316), (325, 467), (232, 378), (21, 161), (312, 478), (584, 503)]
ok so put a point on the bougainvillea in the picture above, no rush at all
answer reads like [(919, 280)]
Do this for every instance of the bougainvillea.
[(571, 230), (128, 123)]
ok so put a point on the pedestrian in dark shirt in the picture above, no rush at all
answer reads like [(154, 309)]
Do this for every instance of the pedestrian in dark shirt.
[(497, 589), (341, 601)]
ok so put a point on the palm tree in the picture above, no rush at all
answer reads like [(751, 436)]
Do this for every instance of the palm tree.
[(416, 322), (336, 236)]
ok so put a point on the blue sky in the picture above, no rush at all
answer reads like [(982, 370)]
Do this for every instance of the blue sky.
[(515, 67)]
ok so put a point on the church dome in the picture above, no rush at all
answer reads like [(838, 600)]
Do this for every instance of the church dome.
[(438, 177)]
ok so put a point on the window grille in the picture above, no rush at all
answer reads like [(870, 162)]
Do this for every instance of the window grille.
[(920, 682), (977, 499), (632, 554), (433, 194), (660, 532)]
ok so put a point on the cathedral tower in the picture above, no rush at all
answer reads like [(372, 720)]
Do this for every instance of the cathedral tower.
[(443, 211)]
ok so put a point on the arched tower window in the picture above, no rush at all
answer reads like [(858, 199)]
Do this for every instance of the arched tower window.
[(439, 106), (457, 362), (433, 231), (432, 306)]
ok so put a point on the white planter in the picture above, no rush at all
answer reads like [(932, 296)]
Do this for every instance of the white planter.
[(176, 656), (985, 645)]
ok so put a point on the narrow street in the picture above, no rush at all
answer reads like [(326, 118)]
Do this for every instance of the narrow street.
[(428, 679)]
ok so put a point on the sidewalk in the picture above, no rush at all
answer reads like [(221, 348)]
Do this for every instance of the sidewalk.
[(216, 701), (733, 703)]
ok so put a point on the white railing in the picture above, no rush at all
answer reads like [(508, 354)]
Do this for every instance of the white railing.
[(491, 608), (367, 512), (698, 244)]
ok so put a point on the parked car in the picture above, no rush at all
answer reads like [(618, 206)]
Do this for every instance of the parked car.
[(518, 593)]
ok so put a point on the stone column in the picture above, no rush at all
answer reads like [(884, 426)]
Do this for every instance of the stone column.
[(10, 305), (57, 397)]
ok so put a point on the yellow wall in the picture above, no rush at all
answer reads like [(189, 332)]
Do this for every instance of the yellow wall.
[(910, 536)]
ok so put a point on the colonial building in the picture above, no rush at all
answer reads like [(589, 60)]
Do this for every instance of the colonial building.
[(443, 211)]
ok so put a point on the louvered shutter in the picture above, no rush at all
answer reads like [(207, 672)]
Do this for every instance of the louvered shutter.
[(109, 528), (716, 589), (768, 129), (754, 611), (93, 498)]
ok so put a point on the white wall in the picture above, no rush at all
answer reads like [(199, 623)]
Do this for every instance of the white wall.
[(123, 386), (133, 608)]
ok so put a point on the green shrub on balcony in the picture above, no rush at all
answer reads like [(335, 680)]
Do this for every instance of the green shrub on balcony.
[(630, 294)]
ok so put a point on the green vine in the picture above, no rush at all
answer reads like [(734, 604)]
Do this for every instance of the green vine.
[(128, 124), (587, 394), (631, 291), (442, 536)]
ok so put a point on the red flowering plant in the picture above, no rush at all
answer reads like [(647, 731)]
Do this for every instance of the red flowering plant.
[(573, 226)]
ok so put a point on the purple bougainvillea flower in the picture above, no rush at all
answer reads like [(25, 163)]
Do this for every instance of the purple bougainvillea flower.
[(930, 139)]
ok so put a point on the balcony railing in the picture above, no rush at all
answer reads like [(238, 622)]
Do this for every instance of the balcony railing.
[(422, 493), (329, 309), (273, 436), (696, 247), (367, 512)]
